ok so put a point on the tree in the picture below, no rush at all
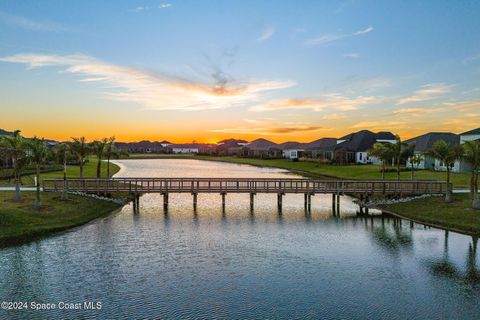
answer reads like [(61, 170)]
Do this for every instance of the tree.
[(472, 156), (382, 153), (399, 151), (61, 154), (80, 148), (111, 151), (415, 161), (447, 154), (98, 148), (37, 153), (14, 147)]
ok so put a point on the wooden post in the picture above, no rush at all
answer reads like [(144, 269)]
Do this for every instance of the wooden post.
[(194, 194), (338, 203), (223, 201), (252, 204), (279, 201), (165, 201), (305, 201), (334, 198)]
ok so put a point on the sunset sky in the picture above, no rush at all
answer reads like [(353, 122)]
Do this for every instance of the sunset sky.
[(208, 70)]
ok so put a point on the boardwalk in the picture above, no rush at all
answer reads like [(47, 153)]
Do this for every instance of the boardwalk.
[(223, 186)]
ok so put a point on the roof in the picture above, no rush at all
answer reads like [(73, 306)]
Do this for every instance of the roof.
[(261, 144), (321, 144), (385, 135), (291, 145), (357, 142), (185, 146), (165, 142), (232, 141), (471, 132), (425, 141)]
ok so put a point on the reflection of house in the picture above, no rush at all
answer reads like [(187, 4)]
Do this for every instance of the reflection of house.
[(321, 148), (353, 148), (425, 142), (292, 149), (262, 148)]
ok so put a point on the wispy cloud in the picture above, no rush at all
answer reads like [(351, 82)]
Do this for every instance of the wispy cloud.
[(427, 92), (351, 55), (165, 5), (334, 116), (328, 38), (28, 24), (380, 125), (139, 9), (268, 128), (266, 34), (145, 8), (330, 101), (153, 91)]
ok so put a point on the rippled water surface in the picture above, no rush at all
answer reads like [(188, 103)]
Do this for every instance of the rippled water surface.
[(242, 265)]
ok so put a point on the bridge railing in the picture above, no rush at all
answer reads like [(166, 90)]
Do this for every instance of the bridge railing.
[(246, 185)]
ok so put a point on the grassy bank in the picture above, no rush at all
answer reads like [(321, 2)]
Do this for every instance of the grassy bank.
[(20, 222), (460, 180), (89, 171), (456, 215)]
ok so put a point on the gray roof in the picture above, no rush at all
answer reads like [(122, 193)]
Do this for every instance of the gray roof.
[(362, 141), (385, 135), (471, 132), (291, 145), (261, 144), (425, 141), (321, 144)]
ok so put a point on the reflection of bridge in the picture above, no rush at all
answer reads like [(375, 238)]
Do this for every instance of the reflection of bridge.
[(280, 186)]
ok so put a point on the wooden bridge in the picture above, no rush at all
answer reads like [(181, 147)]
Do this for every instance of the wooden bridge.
[(279, 186)]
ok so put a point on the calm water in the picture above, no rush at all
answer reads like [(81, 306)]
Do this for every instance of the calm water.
[(241, 265)]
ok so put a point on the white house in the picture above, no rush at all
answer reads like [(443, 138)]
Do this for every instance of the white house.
[(184, 148)]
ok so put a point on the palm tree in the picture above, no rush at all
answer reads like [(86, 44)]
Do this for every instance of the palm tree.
[(447, 154), (98, 148), (14, 147), (111, 151), (37, 153), (472, 156), (80, 148), (415, 161), (382, 153), (61, 153), (399, 150)]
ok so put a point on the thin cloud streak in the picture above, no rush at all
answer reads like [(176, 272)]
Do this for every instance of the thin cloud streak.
[(267, 33), (28, 24), (328, 38), (153, 91), (330, 101), (428, 92)]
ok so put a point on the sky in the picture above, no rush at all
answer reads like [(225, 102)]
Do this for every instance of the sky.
[(208, 70)]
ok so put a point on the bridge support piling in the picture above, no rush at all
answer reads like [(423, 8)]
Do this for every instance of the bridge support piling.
[(252, 200), (195, 195), (279, 201), (334, 203), (223, 201), (338, 203), (305, 201), (165, 201)]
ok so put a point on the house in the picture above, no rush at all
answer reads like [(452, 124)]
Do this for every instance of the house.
[(144, 146), (353, 148), (292, 149), (185, 148), (472, 135), (321, 148), (425, 142), (230, 147), (262, 148)]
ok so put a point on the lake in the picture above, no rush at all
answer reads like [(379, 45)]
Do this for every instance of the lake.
[(243, 265)]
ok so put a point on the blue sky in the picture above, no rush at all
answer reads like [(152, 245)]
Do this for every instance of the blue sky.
[(206, 70)]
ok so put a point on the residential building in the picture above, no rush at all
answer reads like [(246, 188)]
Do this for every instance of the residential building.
[(262, 148), (292, 149), (321, 148)]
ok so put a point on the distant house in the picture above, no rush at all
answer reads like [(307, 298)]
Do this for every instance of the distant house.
[(185, 148), (425, 142), (230, 147), (165, 143), (321, 148), (472, 135), (292, 149), (143, 146), (262, 148), (353, 148)]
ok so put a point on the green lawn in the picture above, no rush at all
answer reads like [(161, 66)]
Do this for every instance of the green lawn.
[(457, 215), (460, 180), (89, 171), (20, 222)]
